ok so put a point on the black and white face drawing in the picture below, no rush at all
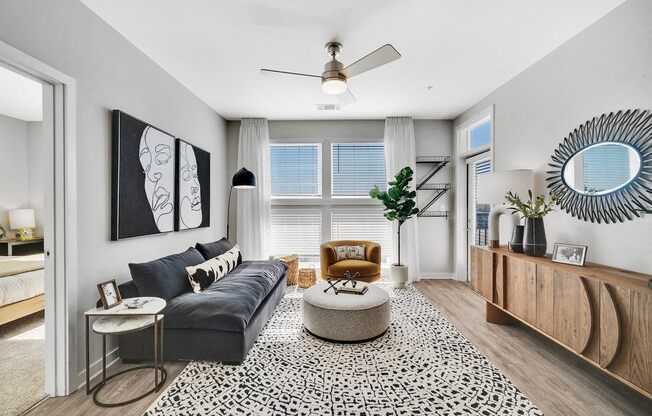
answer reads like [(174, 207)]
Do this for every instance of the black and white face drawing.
[(156, 154), (193, 203), (190, 203), (143, 180)]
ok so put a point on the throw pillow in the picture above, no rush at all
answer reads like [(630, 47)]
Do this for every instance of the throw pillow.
[(350, 252), (205, 274), (166, 277), (216, 248), (356, 252)]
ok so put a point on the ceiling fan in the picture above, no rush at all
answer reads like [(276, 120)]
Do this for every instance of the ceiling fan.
[(335, 75)]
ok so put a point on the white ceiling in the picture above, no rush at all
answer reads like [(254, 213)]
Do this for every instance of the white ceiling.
[(20, 97), (463, 48)]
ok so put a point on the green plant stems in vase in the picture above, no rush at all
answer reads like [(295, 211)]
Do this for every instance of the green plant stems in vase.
[(533, 210)]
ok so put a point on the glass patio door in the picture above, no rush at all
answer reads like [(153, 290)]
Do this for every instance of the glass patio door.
[(477, 214)]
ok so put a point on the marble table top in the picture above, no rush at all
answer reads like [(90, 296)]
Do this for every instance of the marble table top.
[(111, 325), (152, 307)]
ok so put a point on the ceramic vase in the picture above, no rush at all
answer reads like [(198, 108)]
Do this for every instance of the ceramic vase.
[(534, 237), (516, 244)]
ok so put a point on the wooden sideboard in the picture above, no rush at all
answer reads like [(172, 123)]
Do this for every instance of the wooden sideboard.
[(602, 314)]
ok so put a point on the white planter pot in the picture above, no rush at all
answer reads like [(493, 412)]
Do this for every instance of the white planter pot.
[(399, 275)]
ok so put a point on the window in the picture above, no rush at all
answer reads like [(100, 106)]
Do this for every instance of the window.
[(356, 168), (296, 231), (480, 134), (479, 212), (477, 136), (306, 210), (365, 223), (296, 170)]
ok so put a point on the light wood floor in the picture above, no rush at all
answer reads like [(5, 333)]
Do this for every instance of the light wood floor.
[(556, 381), (125, 386)]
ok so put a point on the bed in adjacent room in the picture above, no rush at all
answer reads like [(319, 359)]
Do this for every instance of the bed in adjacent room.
[(22, 285)]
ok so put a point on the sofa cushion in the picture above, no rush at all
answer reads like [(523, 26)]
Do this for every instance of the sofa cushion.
[(205, 274), (229, 303), (214, 249), (166, 277), (364, 267)]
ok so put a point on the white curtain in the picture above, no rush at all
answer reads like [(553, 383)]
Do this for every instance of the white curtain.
[(254, 205), (400, 152)]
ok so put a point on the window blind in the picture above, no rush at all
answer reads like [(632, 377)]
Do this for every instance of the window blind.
[(364, 223), (296, 231), (295, 169), (481, 223), (356, 168)]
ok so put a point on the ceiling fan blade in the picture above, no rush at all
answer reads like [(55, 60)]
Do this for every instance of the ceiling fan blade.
[(346, 98), (381, 56), (273, 71)]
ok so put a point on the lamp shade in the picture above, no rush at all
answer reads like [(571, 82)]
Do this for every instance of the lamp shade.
[(21, 218), (244, 179), (493, 186)]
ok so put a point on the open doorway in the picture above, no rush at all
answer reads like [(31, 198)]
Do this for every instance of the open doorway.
[(24, 142)]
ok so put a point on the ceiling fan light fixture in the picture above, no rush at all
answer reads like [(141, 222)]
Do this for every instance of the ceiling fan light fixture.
[(333, 86)]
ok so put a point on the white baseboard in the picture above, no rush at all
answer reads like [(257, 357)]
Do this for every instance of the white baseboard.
[(96, 367), (428, 276)]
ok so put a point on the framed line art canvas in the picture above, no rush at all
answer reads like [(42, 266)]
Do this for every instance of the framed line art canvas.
[(193, 179), (569, 254), (143, 178)]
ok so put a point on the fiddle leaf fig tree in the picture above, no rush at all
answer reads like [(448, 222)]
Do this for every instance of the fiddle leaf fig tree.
[(399, 201)]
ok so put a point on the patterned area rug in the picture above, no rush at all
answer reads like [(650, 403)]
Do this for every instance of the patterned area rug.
[(421, 366)]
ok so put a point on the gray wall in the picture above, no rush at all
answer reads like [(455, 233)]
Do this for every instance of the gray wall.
[(35, 163), (13, 167), (21, 169), (433, 137), (607, 67), (112, 73)]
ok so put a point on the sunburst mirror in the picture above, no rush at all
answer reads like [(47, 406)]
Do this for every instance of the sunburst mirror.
[(602, 171)]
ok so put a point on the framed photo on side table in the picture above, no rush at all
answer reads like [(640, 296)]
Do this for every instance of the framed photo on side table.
[(569, 254), (109, 294)]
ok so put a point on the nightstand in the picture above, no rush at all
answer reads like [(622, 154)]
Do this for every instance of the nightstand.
[(14, 247)]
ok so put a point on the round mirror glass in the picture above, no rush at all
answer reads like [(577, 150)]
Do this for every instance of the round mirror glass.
[(602, 168)]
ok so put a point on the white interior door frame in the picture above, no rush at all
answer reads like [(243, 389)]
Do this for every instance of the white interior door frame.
[(60, 210)]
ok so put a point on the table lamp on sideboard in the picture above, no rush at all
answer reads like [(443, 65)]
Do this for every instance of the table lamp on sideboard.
[(492, 188)]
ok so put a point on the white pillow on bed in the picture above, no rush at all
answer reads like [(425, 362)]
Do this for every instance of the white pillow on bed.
[(205, 274)]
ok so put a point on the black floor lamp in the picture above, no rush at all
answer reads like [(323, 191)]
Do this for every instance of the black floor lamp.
[(243, 179)]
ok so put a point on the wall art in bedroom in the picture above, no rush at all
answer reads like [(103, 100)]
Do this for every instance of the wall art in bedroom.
[(143, 178), (193, 186)]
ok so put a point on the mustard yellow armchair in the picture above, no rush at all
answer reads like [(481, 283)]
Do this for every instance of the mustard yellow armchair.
[(369, 268)]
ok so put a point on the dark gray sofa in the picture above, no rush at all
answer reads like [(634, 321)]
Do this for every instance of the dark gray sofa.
[(219, 324)]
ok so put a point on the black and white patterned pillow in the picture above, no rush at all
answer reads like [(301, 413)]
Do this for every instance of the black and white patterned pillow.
[(350, 252), (205, 274)]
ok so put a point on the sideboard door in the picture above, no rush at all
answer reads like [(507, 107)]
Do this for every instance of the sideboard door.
[(482, 271)]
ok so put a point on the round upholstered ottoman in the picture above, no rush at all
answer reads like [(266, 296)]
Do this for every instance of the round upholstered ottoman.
[(345, 317)]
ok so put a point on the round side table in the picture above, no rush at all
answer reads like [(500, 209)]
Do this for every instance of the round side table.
[(122, 320)]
